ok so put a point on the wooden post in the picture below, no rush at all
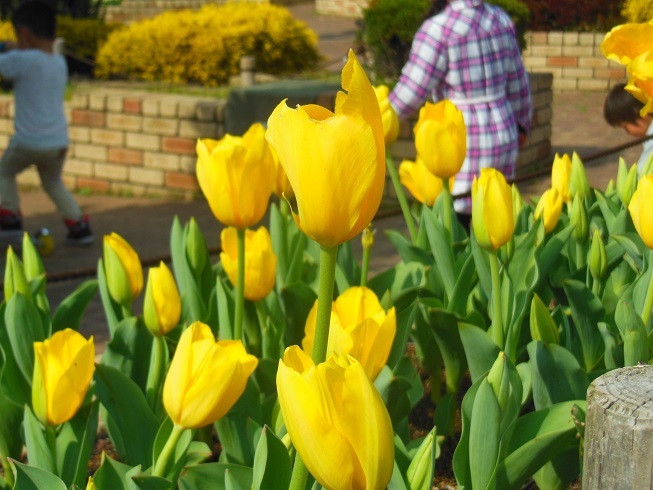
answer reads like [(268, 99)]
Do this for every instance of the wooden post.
[(247, 66), (619, 431)]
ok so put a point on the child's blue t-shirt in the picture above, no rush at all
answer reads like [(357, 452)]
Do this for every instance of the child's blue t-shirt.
[(39, 80)]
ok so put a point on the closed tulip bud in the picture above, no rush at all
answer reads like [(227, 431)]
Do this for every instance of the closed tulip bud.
[(260, 261), (420, 470), (162, 307), (63, 370), (548, 209), (578, 218), (578, 183), (236, 174), (388, 114), (493, 220), (420, 182), (359, 327), (335, 161), (337, 421), (517, 202), (598, 260), (31, 259), (543, 326), (15, 280), (205, 378), (560, 175), (367, 240), (626, 182), (627, 41), (610, 188), (196, 250), (441, 138), (641, 210), (499, 379), (123, 269)]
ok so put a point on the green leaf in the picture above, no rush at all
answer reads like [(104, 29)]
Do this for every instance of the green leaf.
[(33, 478), (613, 356), (212, 475), (112, 310), (24, 327), (75, 442), (629, 245), (17, 389), (442, 250), (126, 404), (464, 284), (70, 311), (461, 462), (397, 481), (480, 350), (37, 444), (484, 437), (522, 266), (112, 475), (226, 308), (586, 311), (11, 416), (543, 327), (609, 209), (149, 482), (405, 311), (407, 251), (298, 299), (272, 467), (561, 471)]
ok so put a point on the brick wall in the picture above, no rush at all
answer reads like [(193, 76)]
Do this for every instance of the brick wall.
[(143, 144)]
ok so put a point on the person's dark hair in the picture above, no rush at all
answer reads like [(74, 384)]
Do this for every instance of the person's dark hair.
[(621, 106), (38, 17), (436, 7)]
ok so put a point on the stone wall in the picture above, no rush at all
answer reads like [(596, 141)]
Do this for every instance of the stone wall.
[(138, 143)]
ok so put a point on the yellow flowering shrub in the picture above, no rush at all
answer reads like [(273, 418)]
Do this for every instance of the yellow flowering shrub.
[(205, 46), (637, 10), (7, 30)]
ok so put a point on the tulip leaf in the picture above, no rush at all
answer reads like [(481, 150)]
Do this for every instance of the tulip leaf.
[(69, 312), (632, 245), (149, 482), (112, 474), (613, 356), (38, 442), (522, 268), (484, 436), (464, 284), (397, 480), (347, 264), (609, 208), (441, 247), (407, 251), (112, 310), (34, 478), (212, 475), (272, 467), (556, 375), (561, 471), (480, 350), (129, 413), (11, 416), (225, 299), (24, 327), (461, 463), (482, 262), (298, 299), (549, 254), (405, 310), (14, 385), (399, 390), (75, 442)]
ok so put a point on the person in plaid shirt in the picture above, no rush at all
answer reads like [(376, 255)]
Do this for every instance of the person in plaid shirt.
[(468, 53)]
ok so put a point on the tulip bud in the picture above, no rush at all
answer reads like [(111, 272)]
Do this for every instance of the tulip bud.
[(367, 239), (422, 184), (628, 183), (420, 470), (196, 250), (499, 380), (578, 218), (388, 114), (162, 306), (543, 327), (560, 175), (578, 183), (641, 210), (610, 188), (517, 202), (91, 484), (549, 208), (31, 259), (492, 215), (598, 260), (15, 280), (123, 270)]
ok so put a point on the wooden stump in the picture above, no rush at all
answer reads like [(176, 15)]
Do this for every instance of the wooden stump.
[(619, 431)]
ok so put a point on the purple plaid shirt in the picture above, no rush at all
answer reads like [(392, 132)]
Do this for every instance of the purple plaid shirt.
[(469, 54)]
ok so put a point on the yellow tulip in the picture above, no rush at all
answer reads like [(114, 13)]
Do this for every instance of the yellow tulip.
[(422, 184), (162, 307), (492, 217), (236, 175), (63, 369), (641, 210), (205, 378), (123, 269), (360, 327), (627, 41), (281, 186), (336, 420), (335, 162), (260, 261), (549, 208), (388, 114), (560, 176), (441, 138), (640, 80)]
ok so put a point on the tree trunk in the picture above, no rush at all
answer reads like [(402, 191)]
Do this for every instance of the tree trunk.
[(619, 431)]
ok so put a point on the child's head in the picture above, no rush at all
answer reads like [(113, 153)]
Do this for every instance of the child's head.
[(35, 19), (621, 109)]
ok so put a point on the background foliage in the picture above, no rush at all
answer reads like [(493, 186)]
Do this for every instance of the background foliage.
[(637, 10)]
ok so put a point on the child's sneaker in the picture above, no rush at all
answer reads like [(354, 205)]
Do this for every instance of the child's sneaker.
[(79, 232)]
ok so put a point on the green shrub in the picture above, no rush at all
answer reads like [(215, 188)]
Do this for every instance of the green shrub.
[(578, 15), (637, 10), (206, 46), (390, 25), (83, 37)]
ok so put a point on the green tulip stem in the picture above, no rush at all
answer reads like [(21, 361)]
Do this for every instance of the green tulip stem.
[(299, 474), (161, 464), (580, 255), (51, 439), (126, 311), (446, 196), (240, 287), (365, 265), (155, 373), (9, 474), (497, 323), (328, 257), (648, 302), (401, 197)]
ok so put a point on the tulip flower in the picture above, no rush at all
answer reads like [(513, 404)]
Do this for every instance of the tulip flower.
[(598, 257), (640, 80), (360, 327), (627, 41), (388, 114), (549, 208), (205, 378), (335, 161), (236, 174), (281, 186), (260, 261), (492, 217), (641, 210), (162, 307), (123, 269), (441, 138), (422, 184), (63, 370), (560, 175), (336, 420)]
